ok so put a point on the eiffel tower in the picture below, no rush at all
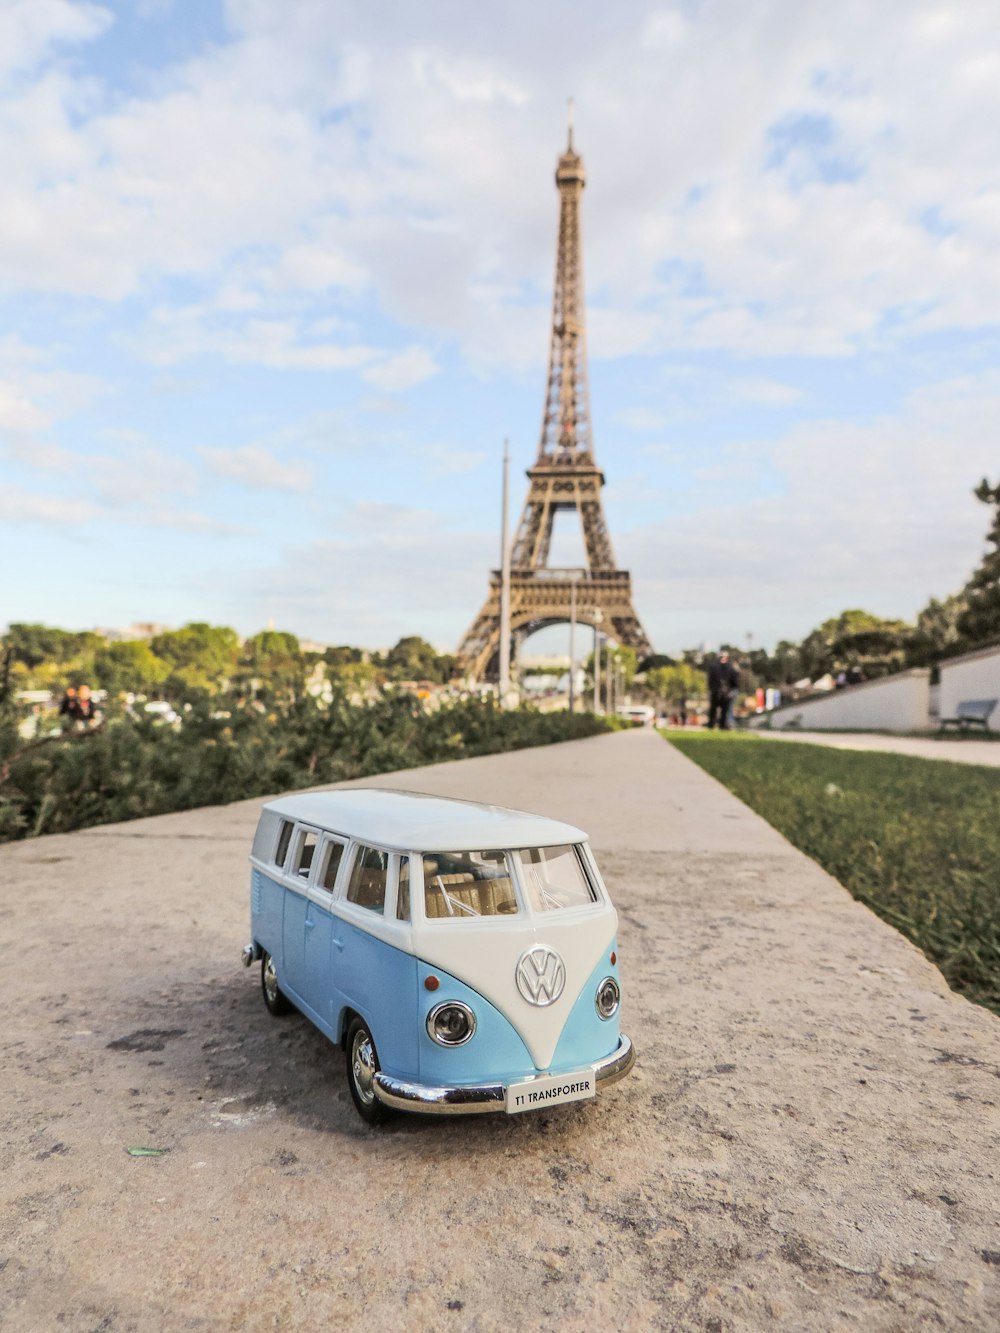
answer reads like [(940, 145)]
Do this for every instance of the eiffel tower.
[(564, 477)]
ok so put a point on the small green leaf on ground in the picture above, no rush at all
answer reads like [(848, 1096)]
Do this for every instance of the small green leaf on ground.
[(146, 1152)]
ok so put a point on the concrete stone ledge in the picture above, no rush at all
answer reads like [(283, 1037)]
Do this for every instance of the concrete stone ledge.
[(809, 1140)]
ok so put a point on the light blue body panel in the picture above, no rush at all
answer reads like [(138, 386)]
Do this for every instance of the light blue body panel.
[(267, 909), (327, 965), (587, 1036), (318, 961), (495, 1053), (292, 969), (379, 982)]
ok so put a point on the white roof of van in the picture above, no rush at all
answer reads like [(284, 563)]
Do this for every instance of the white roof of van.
[(406, 819)]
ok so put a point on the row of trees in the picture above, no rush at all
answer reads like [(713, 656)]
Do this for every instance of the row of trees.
[(202, 660)]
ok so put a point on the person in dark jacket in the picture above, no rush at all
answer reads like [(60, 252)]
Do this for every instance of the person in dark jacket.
[(723, 681)]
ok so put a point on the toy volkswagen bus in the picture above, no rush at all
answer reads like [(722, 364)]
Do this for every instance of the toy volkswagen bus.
[(464, 956)]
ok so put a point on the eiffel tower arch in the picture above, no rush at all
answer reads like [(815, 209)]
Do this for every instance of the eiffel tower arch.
[(565, 477)]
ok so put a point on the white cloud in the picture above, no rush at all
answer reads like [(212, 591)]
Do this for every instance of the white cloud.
[(879, 515), (408, 156), (30, 29), (254, 466), (34, 393), (18, 415), (640, 418), (399, 572), (187, 333), (401, 371), (18, 506), (333, 189), (769, 393), (448, 462)]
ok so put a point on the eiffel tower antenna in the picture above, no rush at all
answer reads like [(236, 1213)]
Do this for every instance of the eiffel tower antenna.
[(565, 477), (569, 119)]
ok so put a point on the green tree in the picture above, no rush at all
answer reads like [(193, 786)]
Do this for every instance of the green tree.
[(655, 660), (626, 659), (343, 656), (676, 684), (413, 658), (202, 658), (855, 638), (937, 633), (784, 664), (980, 621), (38, 645), (129, 666)]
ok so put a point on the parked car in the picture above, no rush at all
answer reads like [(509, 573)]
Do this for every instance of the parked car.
[(464, 956), (639, 715)]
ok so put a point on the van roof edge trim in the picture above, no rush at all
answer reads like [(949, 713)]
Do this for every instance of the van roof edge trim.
[(404, 820)]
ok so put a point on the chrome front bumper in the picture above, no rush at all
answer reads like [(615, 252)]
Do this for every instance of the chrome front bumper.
[(478, 1098)]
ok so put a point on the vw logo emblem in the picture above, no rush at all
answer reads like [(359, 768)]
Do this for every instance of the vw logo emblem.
[(540, 975)]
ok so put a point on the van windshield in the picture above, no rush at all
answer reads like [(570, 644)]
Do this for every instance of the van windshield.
[(554, 877), (460, 885)]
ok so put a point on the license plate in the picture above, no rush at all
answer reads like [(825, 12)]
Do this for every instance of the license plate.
[(532, 1094)]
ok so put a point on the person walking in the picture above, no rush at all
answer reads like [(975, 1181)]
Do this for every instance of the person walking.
[(723, 680)]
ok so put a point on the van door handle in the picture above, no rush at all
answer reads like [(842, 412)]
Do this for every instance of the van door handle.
[(310, 924), (338, 943)]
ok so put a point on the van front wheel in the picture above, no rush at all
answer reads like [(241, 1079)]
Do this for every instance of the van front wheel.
[(274, 997), (362, 1066)]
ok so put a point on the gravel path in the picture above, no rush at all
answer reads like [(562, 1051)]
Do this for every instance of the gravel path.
[(809, 1140)]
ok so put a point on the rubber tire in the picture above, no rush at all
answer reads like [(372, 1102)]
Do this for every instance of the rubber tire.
[(277, 1001), (368, 1106)]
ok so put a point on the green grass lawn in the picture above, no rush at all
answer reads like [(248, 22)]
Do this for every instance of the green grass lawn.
[(917, 840)]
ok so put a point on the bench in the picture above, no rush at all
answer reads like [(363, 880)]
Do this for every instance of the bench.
[(970, 713)]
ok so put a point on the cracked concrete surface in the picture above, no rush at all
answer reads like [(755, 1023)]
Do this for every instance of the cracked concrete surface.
[(809, 1140)]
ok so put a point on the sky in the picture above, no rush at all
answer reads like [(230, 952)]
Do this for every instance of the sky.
[(276, 283)]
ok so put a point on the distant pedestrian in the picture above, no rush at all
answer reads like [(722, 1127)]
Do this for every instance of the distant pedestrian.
[(723, 681), (77, 710), (67, 709), (86, 709)]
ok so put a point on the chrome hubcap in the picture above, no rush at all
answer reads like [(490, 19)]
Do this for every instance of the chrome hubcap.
[(363, 1065), (270, 981)]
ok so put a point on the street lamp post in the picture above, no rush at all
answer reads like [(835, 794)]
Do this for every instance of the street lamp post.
[(598, 617), (572, 646), (505, 585)]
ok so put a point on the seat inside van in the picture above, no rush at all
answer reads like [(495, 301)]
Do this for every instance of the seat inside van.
[(458, 894)]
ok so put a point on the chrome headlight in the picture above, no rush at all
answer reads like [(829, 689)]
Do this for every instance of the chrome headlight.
[(608, 998), (451, 1023)]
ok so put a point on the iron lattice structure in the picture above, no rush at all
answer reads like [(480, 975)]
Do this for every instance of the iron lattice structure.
[(565, 477)]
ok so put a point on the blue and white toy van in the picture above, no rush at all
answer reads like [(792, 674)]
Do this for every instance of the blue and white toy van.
[(464, 956)]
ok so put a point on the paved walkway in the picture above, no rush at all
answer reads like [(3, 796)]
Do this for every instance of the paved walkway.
[(809, 1141), (924, 747)]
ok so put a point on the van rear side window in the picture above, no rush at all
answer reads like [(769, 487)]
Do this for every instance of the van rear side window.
[(284, 838), (368, 879), (333, 860), (304, 855), (403, 892)]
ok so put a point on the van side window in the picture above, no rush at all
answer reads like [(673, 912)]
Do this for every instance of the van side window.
[(334, 857), (403, 892), (284, 838), (304, 856), (367, 886)]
